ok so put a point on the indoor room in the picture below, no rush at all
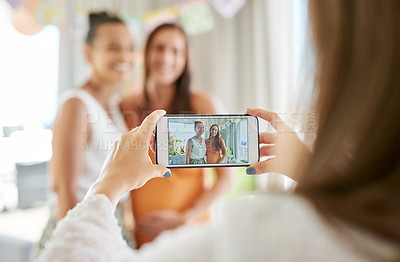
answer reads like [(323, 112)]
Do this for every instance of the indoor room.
[(283, 146)]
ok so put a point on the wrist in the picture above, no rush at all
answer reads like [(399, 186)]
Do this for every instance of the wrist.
[(109, 187)]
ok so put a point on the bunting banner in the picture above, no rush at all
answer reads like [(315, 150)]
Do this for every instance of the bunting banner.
[(228, 8), (196, 17), (135, 26), (15, 3), (51, 12), (154, 18)]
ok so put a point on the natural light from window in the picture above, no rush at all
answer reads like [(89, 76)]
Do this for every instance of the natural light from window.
[(29, 69)]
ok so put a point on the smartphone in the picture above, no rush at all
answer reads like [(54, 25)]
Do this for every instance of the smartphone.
[(184, 141)]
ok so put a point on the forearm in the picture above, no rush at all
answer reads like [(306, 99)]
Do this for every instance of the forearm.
[(113, 190), (91, 232), (66, 200)]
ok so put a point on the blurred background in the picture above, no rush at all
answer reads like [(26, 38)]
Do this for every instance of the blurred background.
[(248, 53)]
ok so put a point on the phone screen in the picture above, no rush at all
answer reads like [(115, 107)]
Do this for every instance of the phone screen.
[(216, 141)]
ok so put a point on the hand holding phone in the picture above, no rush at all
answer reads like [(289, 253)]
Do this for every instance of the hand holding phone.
[(283, 148), (207, 140), (127, 165)]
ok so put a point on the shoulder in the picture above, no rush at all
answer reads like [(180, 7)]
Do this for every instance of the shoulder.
[(203, 103), (131, 106), (71, 121), (272, 222), (270, 214), (73, 108), (131, 102)]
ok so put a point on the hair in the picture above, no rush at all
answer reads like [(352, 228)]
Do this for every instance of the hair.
[(97, 19), (354, 172), (181, 102), (196, 123), (216, 143)]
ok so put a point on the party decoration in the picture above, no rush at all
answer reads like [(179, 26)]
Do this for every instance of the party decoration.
[(50, 12), (135, 26), (227, 8), (15, 3), (196, 17), (160, 16)]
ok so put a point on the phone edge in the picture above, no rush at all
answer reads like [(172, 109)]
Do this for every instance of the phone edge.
[(216, 166)]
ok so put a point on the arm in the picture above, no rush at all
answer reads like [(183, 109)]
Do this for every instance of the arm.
[(223, 148), (90, 232), (70, 136), (189, 147)]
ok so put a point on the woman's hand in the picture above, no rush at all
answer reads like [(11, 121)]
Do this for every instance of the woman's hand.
[(128, 165), (289, 155), (159, 221)]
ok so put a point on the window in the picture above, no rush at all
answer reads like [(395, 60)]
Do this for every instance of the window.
[(29, 68), (29, 76)]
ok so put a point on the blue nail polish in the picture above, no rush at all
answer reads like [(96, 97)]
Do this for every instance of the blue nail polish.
[(250, 171), (168, 174)]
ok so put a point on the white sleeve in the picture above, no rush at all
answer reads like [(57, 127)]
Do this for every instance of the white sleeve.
[(90, 232)]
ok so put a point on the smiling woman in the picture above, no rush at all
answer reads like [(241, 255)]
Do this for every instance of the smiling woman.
[(87, 124), (109, 49), (163, 205), (167, 56)]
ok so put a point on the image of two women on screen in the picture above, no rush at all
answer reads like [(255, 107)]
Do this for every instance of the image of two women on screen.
[(225, 142)]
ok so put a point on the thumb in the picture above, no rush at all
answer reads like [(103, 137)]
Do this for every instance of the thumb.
[(266, 166), (161, 171)]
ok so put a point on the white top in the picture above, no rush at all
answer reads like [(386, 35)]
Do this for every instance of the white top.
[(104, 131), (250, 229), (198, 150)]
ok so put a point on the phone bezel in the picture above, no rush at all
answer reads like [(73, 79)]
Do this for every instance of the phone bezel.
[(255, 142)]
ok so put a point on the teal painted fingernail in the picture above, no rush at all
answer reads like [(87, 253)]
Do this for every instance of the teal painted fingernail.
[(168, 174), (250, 171)]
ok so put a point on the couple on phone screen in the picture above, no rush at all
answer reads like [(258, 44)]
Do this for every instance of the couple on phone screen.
[(205, 151)]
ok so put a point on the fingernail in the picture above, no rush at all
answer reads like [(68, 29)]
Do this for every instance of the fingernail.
[(167, 174), (250, 171)]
